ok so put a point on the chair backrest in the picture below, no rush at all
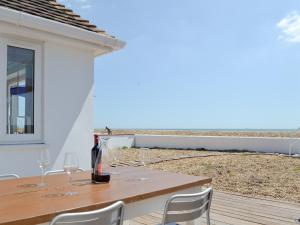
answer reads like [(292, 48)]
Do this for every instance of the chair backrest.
[(9, 176), (53, 172), (187, 207), (111, 215)]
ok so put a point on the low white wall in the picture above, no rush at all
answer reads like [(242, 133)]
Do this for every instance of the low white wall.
[(120, 141), (258, 144)]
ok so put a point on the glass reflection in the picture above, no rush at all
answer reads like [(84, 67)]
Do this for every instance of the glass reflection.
[(20, 90)]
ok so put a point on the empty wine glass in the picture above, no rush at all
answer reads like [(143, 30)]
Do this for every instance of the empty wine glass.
[(106, 157), (44, 161), (144, 160), (118, 157), (114, 154), (71, 165)]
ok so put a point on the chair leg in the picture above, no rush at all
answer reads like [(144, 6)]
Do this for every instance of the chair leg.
[(208, 217)]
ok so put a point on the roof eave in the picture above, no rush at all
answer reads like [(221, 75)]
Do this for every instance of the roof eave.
[(106, 43)]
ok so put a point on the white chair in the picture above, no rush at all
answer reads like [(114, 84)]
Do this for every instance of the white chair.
[(187, 207), (111, 215), (53, 172), (9, 176)]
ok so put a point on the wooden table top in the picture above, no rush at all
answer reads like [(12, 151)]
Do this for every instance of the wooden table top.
[(20, 203)]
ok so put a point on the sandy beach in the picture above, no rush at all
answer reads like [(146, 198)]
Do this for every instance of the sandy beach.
[(246, 133)]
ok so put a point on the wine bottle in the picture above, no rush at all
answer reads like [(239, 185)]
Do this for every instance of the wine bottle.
[(94, 153), (98, 176)]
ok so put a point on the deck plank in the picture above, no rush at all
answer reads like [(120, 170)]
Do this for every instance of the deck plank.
[(235, 209)]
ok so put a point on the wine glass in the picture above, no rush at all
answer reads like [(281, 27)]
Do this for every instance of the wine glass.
[(144, 159), (114, 154), (71, 165), (106, 154), (43, 161)]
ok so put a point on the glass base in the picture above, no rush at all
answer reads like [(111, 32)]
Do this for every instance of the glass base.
[(54, 195), (143, 179), (71, 193), (115, 173), (41, 185)]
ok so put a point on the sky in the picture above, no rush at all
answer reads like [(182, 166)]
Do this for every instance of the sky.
[(197, 64)]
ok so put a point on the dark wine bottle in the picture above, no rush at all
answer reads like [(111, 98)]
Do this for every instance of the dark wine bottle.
[(95, 151), (98, 176)]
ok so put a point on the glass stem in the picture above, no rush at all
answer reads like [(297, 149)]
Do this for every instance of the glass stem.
[(42, 177), (70, 182)]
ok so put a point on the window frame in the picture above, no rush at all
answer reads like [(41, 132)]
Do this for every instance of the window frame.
[(37, 136)]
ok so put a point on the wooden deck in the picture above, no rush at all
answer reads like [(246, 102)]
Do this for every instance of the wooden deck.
[(233, 209)]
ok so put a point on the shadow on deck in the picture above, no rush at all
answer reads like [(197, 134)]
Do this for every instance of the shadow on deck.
[(233, 209)]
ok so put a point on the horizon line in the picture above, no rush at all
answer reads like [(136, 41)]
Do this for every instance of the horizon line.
[(202, 128)]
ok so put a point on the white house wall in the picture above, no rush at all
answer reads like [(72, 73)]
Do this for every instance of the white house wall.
[(68, 101), (67, 112)]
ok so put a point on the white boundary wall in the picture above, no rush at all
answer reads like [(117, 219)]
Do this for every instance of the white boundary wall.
[(120, 141), (258, 144)]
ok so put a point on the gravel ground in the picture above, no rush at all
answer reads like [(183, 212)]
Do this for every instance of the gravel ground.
[(246, 173)]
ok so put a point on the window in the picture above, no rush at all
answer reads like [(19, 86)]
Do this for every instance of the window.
[(20, 92)]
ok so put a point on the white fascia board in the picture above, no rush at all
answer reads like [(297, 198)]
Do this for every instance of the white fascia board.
[(38, 23)]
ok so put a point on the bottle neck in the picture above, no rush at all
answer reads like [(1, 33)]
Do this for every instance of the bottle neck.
[(96, 139)]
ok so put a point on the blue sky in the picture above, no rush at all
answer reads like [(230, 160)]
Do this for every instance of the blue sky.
[(197, 64)]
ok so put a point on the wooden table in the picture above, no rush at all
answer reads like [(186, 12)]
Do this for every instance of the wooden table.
[(22, 204)]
